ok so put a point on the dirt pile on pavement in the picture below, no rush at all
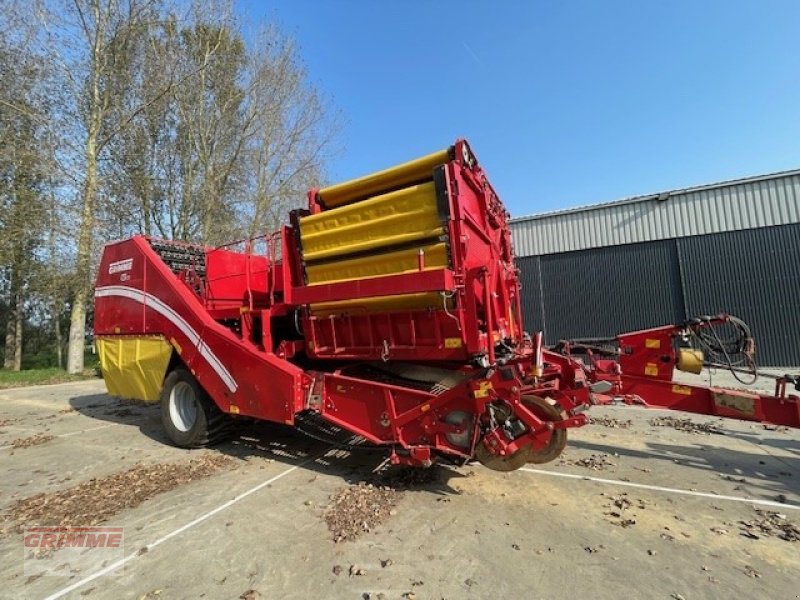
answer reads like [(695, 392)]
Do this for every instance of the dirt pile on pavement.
[(34, 440), (686, 425), (770, 524), (621, 507), (611, 422), (359, 508), (98, 499), (595, 462)]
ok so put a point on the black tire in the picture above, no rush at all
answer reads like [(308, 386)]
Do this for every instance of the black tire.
[(189, 416)]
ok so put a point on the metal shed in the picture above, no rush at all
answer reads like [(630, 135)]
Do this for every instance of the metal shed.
[(649, 260)]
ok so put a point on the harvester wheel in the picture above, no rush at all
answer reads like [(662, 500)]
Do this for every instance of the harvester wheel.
[(495, 462), (548, 410), (190, 417), (545, 409)]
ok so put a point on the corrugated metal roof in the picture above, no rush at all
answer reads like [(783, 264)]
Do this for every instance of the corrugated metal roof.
[(761, 201)]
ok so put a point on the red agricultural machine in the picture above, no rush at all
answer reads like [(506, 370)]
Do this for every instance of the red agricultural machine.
[(386, 313)]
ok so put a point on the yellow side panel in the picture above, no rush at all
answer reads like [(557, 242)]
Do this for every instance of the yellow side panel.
[(362, 306), (399, 217), (392, 178), (377, 265), (134, 367)]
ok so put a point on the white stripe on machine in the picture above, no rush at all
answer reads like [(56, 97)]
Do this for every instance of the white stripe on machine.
[(169, 313)]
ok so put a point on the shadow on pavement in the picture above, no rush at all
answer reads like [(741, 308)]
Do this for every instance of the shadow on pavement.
[(281, 443), (769, 475)]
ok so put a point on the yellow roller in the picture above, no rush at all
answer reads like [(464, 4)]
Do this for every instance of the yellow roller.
[(401, 217), (404, 302), (388, 179), (378, 265)]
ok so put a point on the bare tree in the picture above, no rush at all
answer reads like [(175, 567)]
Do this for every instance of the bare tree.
[(293, 132), (228, 151), (90, 42), (23, 161), (161, 122)]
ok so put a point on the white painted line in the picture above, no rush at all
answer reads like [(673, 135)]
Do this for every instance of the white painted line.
[(84, 430), (116, 565), (60, 435), (669, 490)]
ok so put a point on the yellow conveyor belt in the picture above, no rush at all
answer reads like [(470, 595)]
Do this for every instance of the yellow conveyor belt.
[(388, 179)]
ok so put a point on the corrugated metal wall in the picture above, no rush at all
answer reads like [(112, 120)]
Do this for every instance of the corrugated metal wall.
[(531, 283), (743, 204), (598, 293), (754, 274)]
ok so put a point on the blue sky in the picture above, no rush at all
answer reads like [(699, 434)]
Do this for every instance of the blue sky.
[(564, 103)]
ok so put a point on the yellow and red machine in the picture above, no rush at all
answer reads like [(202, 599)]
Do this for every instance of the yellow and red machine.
[(388, 311), (640, 366)]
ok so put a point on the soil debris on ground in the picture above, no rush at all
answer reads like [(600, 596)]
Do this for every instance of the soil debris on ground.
[(595, 462), (770, 524), (98, 499), (751, 572), (34, 440), (778, 428), (620, 509), (4, 421), (686, 425), (356, 571), (360, 508), (611, 422)]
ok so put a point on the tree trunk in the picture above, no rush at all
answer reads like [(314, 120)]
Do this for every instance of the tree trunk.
[(18, 314), (77, 333), (77, 321), (13, 349), (8, 359), (56, 312)]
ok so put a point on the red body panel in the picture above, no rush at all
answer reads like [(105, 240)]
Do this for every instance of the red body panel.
[(645, 369), (240, 321), (481, 282), (150, 299)]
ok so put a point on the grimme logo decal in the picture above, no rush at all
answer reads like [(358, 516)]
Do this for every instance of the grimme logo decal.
[(120, 266), (67, 551)]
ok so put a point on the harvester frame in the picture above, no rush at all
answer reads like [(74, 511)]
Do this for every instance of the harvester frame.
[(389, 310)]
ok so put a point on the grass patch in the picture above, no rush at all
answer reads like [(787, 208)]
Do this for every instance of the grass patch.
[(10, 379)]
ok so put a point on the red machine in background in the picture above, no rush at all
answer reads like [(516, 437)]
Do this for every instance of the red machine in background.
[(639, 368), (387, 312)]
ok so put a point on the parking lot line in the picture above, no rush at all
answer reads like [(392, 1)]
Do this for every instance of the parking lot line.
[(205, 516), (659, 488)]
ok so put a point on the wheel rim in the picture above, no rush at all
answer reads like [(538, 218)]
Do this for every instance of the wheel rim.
[(182, 406), (546, 408)]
